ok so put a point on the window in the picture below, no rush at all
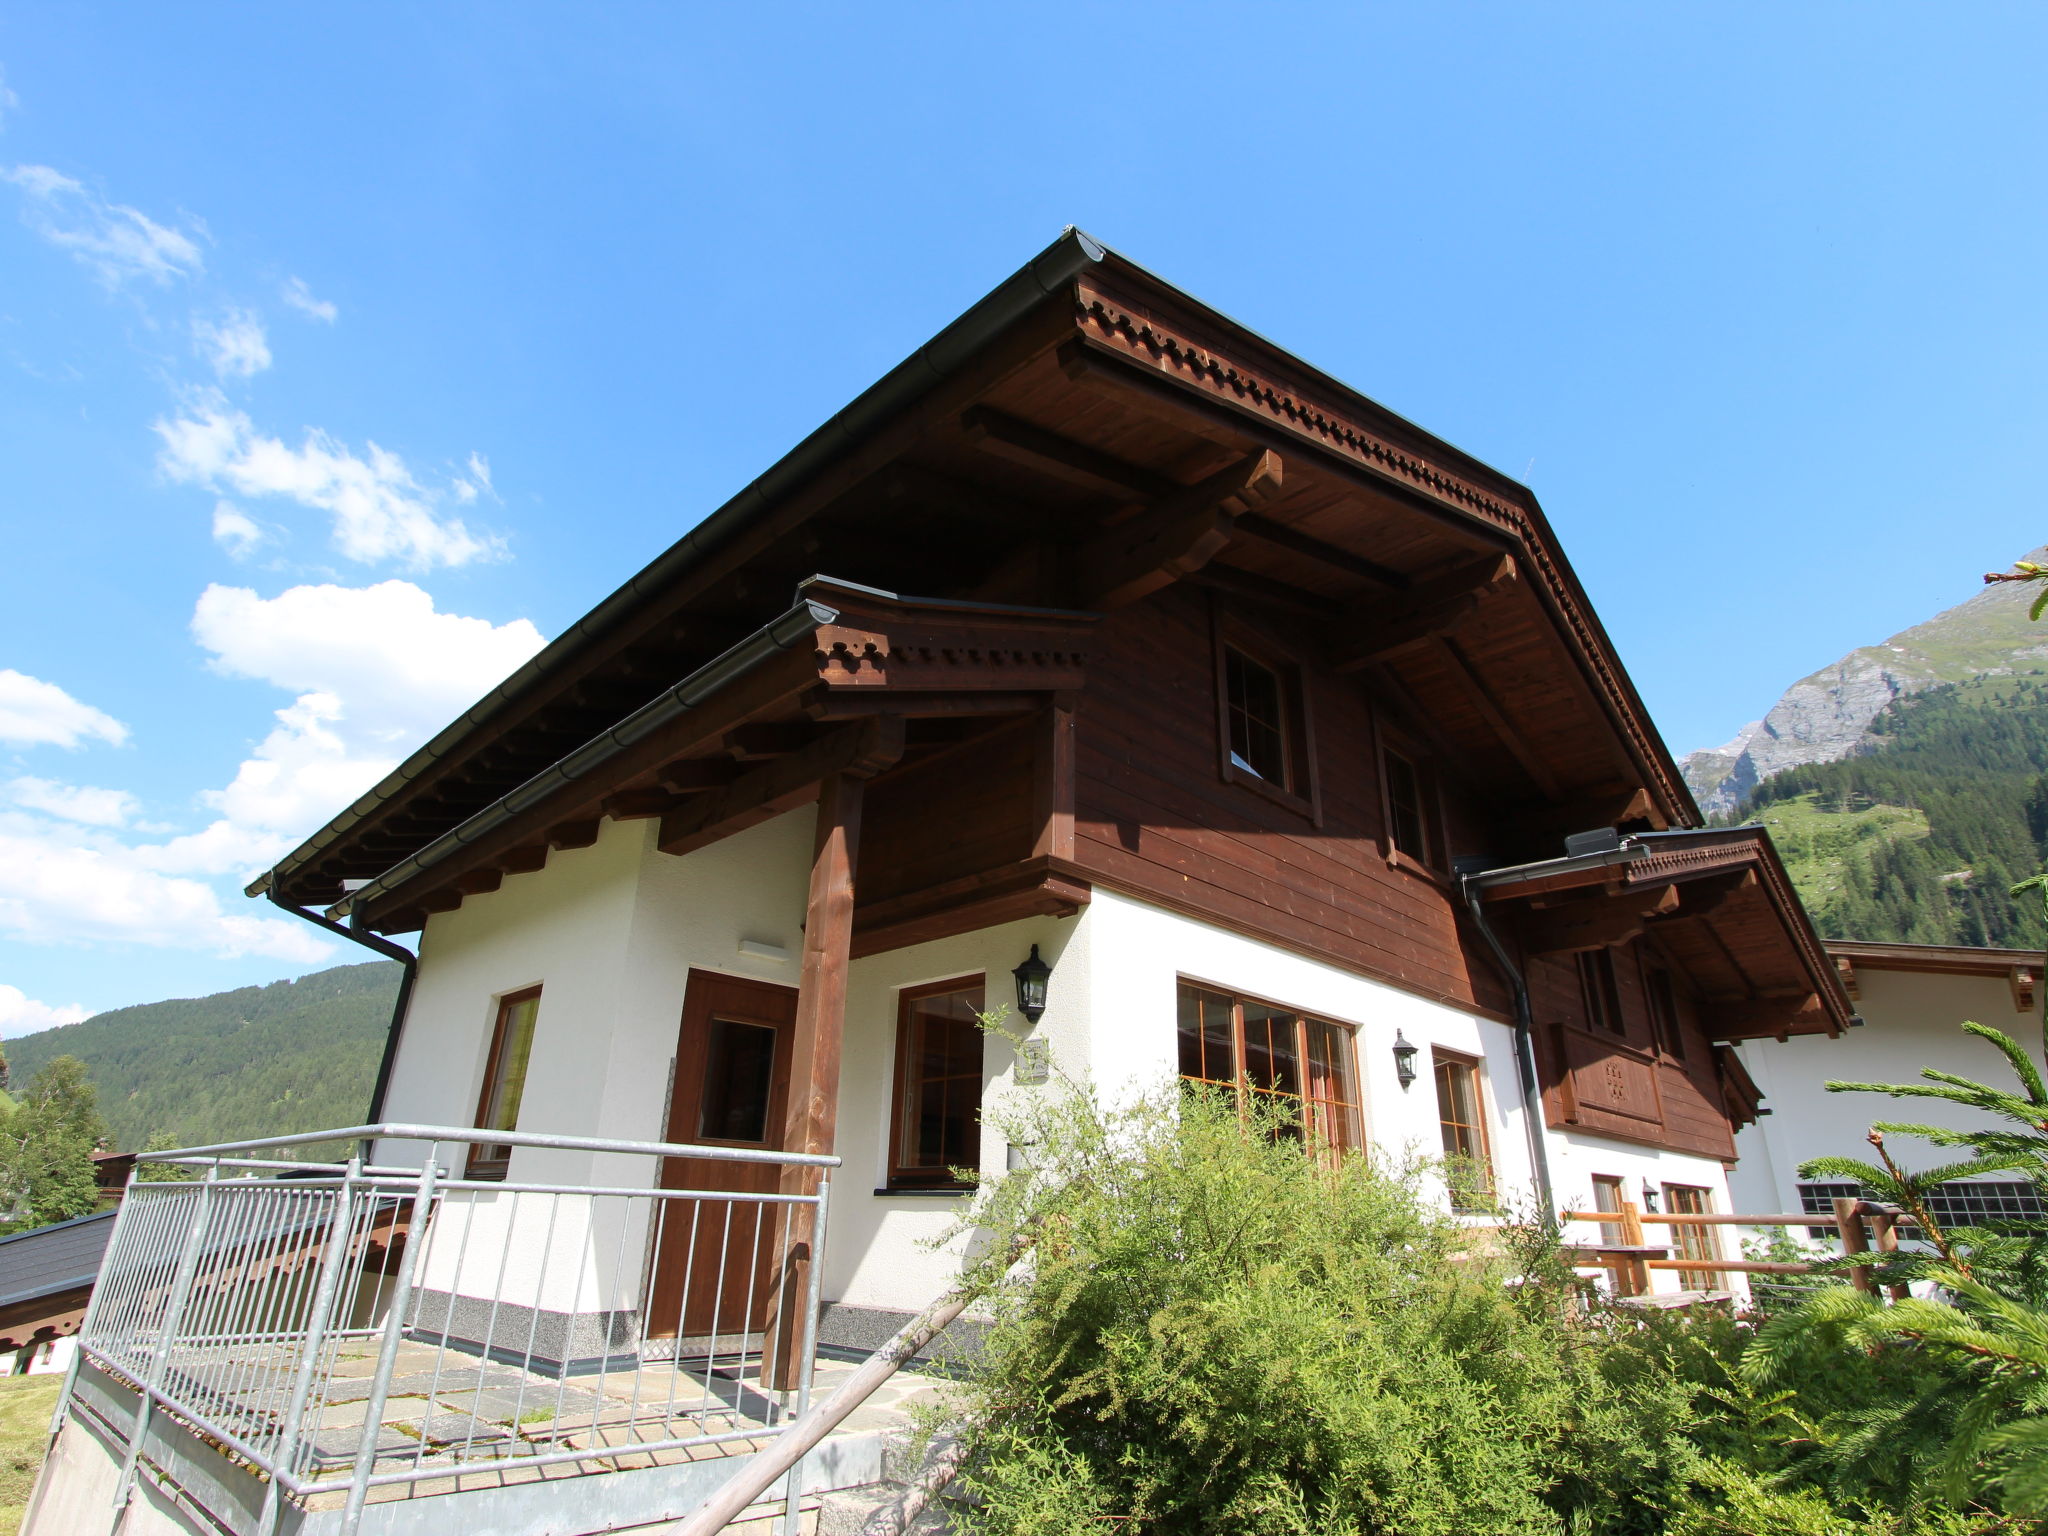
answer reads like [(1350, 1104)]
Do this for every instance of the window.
[(1664, 1016), (504, 1080), (1255, 701), (937, 1124), (1286, 1057), (739, 1078), (1692, 1242), (1412, 810), (1598, 992), (1607, 1196), (1459, 1113), (1265, 743)]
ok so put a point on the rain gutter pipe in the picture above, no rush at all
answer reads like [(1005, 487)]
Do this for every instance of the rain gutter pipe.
[(1471, 887), (410, 964)]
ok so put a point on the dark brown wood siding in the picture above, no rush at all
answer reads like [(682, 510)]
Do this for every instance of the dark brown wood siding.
[(1155, 818)]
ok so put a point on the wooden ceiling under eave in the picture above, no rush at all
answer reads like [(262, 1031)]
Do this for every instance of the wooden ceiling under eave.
[(1370, 517)]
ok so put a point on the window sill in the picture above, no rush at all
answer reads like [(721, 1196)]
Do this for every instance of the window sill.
[(1287, 799), (1396, 859), (954, 1192)]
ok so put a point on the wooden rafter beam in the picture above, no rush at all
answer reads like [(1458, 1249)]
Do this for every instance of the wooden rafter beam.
[(768, 738), (1707, 897), (1280, 536), (1428, 610), (1505, 730), (1180, 532), (919, 704), (1594, 923), (1022, 442), (1264, 589), (857, 751)]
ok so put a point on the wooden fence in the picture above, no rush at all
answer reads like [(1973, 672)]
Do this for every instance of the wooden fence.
[(1864, 1226)]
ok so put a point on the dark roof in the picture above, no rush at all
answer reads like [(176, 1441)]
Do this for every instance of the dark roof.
[(51, 1259)]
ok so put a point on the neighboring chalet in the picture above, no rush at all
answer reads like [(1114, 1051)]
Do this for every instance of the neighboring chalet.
[(1105, 630), (1911, 1000)]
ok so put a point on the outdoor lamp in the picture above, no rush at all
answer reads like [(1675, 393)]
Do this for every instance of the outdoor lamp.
[(1032, 976), (1404, 1059)]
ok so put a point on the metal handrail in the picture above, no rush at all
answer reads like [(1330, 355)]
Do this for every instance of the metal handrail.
[(483, 1136), (274, 1261)]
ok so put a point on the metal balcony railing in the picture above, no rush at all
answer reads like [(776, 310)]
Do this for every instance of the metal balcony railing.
[(354, 1329)]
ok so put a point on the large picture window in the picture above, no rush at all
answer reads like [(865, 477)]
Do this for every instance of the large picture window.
[(1461, 1117), (1276, 1053), (1700, 1243), (937, 1122), (504, 1080)]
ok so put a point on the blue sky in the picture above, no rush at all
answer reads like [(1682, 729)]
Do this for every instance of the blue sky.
[(346, 353)]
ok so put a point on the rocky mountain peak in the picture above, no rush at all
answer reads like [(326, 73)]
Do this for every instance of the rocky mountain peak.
[(1826, 715)]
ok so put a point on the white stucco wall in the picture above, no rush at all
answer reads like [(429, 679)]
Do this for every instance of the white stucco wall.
[(612, 932), (1911, 1021)]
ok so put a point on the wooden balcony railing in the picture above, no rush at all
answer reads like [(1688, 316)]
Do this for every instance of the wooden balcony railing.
[(1865, 1226)]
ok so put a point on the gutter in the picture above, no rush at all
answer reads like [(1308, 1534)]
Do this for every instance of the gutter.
[(1039, 279), (399, 1004), (1472, 887), (1525, 1047)]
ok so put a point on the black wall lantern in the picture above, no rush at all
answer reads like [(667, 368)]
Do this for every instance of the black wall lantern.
[(1032, 976), (1404, 1060)]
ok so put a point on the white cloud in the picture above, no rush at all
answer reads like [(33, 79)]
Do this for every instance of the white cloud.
[(64, 885), (21, 1014), (376, 671), (8, 100), (300, 297), (34, 713), (74, 802), (235, 530), (115, 242), (234, 344), (379, 511)]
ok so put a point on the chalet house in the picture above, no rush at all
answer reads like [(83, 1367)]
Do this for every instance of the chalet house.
[(1102, 663), (1105, 632), (1911, 1000)]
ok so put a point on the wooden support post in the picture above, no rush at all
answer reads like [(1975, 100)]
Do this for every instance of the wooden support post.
[(1632, 1224), (1884, 1232), (813, 1112), (1632, 1277), (1849, 1220)]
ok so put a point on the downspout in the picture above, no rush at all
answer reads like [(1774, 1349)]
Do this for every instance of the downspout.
[(409, 963), (1525, 1047)]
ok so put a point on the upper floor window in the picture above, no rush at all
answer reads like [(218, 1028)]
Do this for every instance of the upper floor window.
[(1599, 995), (504, 1080), (937, 1123), (1462, 1121), (1287, 1058), (1664, 1016), (1265, 739), (1255, 699), (1412, 816)]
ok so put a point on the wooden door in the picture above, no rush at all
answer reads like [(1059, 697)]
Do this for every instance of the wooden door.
[(731, 1090)]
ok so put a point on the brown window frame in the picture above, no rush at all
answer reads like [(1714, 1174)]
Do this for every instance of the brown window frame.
[(1701, 1243), (1300, 792), (1320, 1112), (1600, 993), (900, 1175), (1660, 997), (1434, 858), (1482, 1159), (483, 1162), (1617, 1186)]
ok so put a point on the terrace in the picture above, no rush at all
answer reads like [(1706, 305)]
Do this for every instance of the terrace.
[(288, 1346)]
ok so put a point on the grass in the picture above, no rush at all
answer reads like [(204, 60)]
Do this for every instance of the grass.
[(26, 1403), (1819, 846)]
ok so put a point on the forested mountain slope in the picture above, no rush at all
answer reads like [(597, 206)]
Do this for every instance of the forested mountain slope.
[(260, 1061), (1918, 836)]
